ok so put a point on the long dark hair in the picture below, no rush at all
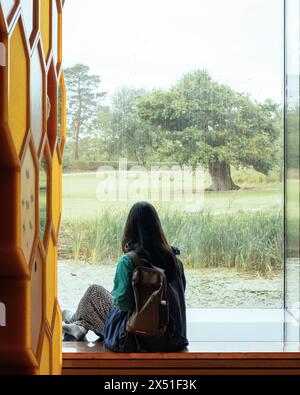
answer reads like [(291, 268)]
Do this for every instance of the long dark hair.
[(143, 233)]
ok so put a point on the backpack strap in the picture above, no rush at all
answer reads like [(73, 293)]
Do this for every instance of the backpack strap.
[(135, 258), (137, 261)]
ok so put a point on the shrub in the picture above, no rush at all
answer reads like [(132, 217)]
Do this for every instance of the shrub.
[(241, 240)]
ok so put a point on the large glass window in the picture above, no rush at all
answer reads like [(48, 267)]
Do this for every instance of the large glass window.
[(178, 103)]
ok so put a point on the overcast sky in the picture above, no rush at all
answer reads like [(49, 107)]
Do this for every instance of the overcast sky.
[(151, 43)]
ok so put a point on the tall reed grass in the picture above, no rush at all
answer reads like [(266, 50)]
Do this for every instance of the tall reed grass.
[(247, 241)]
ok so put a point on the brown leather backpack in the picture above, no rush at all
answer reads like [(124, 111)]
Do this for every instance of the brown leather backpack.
[(151, 313)]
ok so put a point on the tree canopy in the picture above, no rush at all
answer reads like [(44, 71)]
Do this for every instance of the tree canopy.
[(84, 101), (127, 135), (205, 122), (198, 121)]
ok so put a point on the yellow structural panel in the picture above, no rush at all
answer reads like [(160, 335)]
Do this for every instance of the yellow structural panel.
[(18, 87), (30, 179), (45, 366), (56, 191), (57, 345), (50, 281)]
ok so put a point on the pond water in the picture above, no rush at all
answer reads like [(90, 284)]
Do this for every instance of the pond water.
[(206, 288)]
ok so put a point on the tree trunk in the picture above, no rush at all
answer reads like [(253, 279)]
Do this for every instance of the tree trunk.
[(77, 142), (78, 126), (220, 173)]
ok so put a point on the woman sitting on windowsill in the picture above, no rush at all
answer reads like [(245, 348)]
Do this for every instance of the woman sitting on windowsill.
[(106, 314)]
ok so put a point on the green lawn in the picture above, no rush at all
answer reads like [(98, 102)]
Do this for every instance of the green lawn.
[(80, 197)]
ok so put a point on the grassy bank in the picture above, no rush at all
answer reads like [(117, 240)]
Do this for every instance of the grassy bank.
[(80, 196), (247, 241)]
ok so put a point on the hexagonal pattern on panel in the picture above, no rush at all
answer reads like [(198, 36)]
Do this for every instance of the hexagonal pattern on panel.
[(18, 103), (31, 31)]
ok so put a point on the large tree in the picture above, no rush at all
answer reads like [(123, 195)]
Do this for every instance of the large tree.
[(126, 134), (207, 123), (84, 100)]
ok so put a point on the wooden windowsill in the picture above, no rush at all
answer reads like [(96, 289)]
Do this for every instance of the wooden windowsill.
[(108, 363), (217, 346)]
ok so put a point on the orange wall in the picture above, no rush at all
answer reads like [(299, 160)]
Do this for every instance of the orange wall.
[(30, 77)]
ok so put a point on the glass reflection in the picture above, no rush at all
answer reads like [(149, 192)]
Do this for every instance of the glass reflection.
[(43, 196)]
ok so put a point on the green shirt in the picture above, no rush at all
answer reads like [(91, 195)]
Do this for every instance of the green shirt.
[(122, 292)]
